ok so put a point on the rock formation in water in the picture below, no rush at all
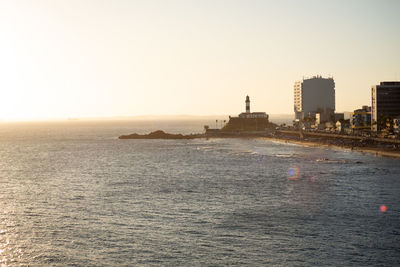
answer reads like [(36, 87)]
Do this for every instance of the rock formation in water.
[(159, 135)]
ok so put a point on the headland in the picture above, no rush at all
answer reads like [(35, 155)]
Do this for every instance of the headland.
[(160, 135)]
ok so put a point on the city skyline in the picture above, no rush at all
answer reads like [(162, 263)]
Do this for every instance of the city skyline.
[(76, 59)]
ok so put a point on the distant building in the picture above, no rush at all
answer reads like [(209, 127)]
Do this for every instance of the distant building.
[(314, 95), (338, 117), (248, 121), (347, 115), (343, 126), (361, 119), (396, 125), (385, 104), (321, 116), (318, 119), (326, 121)]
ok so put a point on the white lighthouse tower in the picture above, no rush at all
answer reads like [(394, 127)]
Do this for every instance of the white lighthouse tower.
[(247, 104)]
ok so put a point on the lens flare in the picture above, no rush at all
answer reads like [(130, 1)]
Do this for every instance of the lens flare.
[(383, 208), (293, 173)]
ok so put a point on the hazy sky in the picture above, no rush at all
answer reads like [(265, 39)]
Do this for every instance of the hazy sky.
[(82, 58)]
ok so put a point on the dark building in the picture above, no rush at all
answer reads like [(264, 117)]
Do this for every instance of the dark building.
[(314, 95), (385, 104)]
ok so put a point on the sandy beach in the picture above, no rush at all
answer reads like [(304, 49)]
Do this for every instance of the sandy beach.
[(316, 143)]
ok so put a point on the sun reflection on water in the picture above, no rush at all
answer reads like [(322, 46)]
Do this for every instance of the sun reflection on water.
[(10, 253)]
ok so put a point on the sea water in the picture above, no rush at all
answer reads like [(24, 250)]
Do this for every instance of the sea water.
[(72, 193)]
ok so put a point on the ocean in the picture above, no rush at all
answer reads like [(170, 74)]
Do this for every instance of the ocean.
[(72, 193)]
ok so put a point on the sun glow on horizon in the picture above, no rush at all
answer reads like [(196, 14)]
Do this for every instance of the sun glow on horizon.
[(76, 59)]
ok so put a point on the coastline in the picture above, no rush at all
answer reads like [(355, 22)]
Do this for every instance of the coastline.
[(308, 143), (386, 148)]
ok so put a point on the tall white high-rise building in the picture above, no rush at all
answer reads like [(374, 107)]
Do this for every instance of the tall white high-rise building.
[(314, 95)]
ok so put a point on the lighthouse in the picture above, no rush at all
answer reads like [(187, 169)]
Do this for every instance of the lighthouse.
[(247, 104)]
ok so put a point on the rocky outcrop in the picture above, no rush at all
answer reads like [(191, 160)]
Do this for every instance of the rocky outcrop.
[(160, 135)]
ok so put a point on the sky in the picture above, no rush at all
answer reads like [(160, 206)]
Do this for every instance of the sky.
[(81, 58)]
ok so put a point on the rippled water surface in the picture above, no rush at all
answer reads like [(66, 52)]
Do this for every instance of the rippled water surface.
[(73, 194)]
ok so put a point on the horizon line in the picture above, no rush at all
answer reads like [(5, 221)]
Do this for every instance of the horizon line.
[(128, 117), (122, 117)]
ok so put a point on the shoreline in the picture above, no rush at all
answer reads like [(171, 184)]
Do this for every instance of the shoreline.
[(308, 143), (377, 147)]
